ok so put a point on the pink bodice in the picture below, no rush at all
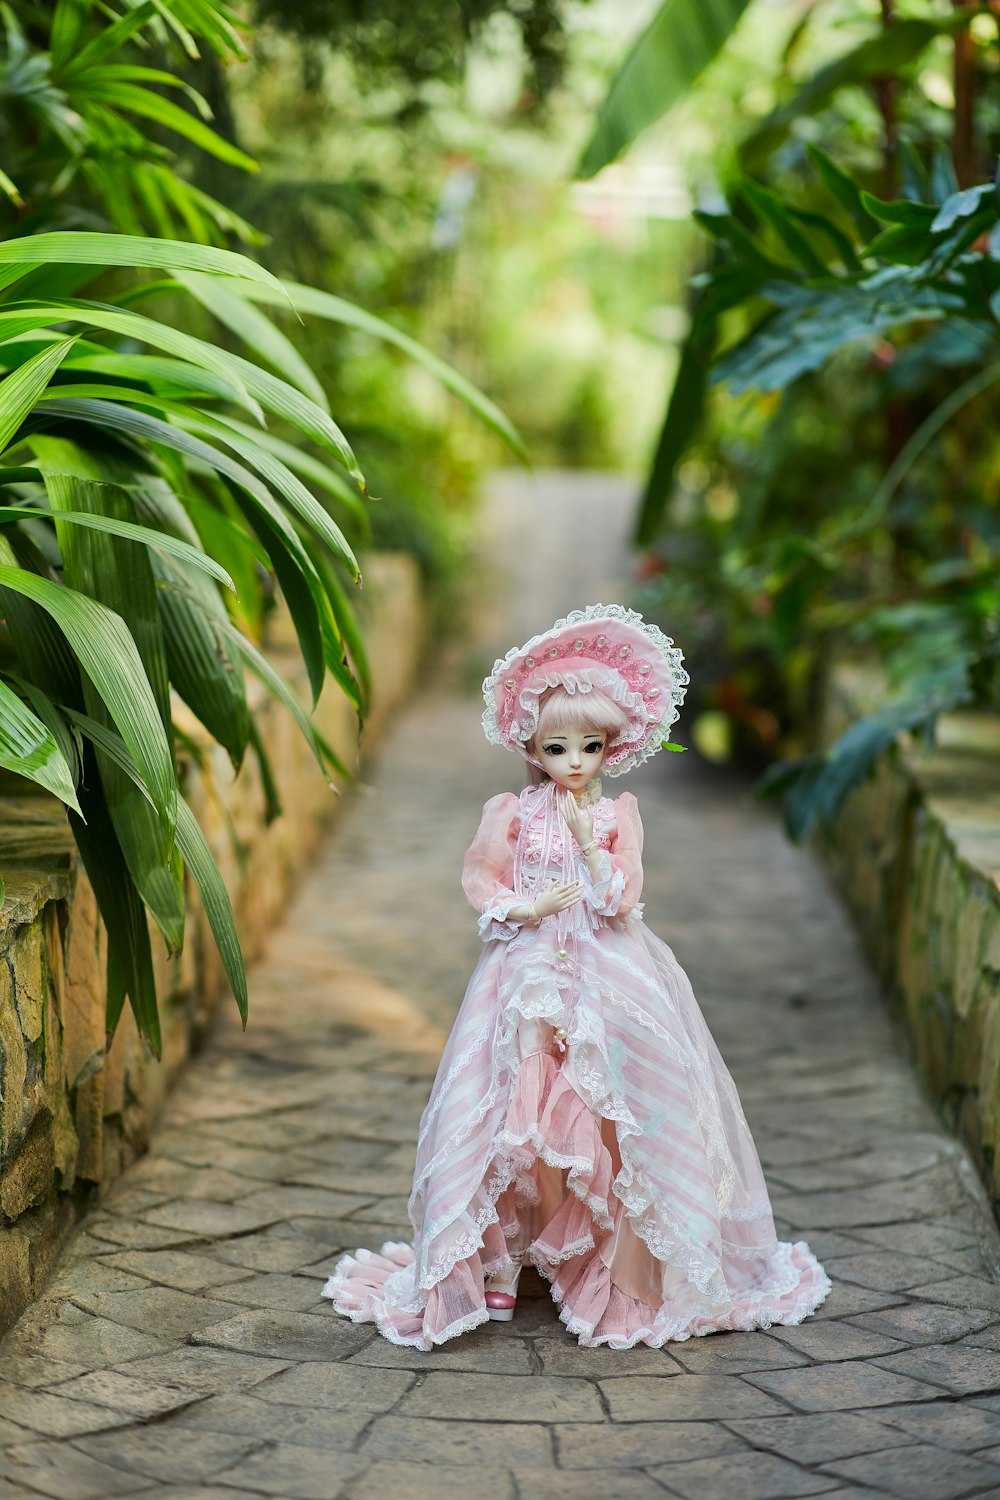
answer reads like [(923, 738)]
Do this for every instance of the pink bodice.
[(504, 866), (562, 842)]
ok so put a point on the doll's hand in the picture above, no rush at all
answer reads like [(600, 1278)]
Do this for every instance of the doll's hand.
[(579, 822), (557, 897)]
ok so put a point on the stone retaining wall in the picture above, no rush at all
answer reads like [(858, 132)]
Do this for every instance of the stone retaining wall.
[(916, 853), (73, 1113)]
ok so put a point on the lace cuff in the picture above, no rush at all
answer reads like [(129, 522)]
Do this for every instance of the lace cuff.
[(494, 922), (605, 894)]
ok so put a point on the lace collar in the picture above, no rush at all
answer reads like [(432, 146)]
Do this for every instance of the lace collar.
[(592, 792)]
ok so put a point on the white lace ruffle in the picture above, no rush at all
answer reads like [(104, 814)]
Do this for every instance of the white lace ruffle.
[(494, 923), (662, 1233), (603, 896), (547, 851), (764, 1314), (373, 1307)]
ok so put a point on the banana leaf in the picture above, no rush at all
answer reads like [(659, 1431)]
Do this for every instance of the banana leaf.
[(255, 330), (83, 247), (310, 300), (120, 572), (197, 855), (678, 44), (107, 652), (29, 749), (20, 390)]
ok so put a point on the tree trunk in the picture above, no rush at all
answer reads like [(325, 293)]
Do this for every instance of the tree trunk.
[(885, 96), (963, 142)]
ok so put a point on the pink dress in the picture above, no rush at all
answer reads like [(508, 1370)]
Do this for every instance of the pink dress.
[(619, 1162)]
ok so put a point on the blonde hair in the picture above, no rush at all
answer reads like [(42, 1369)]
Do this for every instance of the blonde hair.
[(559, 709)]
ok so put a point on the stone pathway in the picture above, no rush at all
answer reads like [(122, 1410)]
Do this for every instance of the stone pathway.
[(182, 1349)]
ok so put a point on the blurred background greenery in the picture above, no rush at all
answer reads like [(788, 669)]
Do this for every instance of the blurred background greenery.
[(590, 208), (824, 484), (420, 159)]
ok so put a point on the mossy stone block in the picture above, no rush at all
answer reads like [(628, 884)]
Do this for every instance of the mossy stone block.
[(28, 1178)]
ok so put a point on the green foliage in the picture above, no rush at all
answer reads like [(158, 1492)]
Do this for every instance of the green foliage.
[(878, 56), (677, 45), (167, 456), (824, 462), (29, 748), (809, 559), (310, 300), (685, 36), (418, 42), (813, 787), (813, 290), (354, 155), (90, 139), (98, 462)]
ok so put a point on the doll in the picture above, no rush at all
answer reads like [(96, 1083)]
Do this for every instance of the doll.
[(582, 1119)]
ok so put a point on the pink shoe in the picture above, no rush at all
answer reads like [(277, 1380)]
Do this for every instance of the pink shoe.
[(501, 1292), (500, 1306)]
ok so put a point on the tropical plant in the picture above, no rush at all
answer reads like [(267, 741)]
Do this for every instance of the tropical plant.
[(676, 46), (92, 136), (823, 302), (684, 36), (125, 472), (646, 87), (150, 507), (408, 44), (928, 279)]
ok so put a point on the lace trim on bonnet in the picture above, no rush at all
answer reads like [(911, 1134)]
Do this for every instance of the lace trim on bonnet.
[(638, 666)]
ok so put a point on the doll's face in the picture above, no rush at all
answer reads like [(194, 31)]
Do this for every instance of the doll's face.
[(572, 757)]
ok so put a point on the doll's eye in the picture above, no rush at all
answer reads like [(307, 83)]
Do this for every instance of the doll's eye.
[(594, 747), (554, 749)]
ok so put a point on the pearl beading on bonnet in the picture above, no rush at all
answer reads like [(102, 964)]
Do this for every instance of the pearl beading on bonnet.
[(604, 646)]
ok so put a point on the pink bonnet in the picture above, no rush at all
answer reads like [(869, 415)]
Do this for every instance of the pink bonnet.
[(604, 646)]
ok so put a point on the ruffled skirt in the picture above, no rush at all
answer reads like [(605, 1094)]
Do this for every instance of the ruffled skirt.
[(622, 1168)]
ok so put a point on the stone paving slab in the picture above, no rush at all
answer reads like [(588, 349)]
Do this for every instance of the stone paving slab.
[(183, 1351)]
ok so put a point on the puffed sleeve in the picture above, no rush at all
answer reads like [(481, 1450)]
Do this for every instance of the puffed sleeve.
[(488, 869), (619, 885)]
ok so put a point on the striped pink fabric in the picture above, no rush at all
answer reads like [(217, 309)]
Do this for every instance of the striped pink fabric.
[(621, 1166)]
